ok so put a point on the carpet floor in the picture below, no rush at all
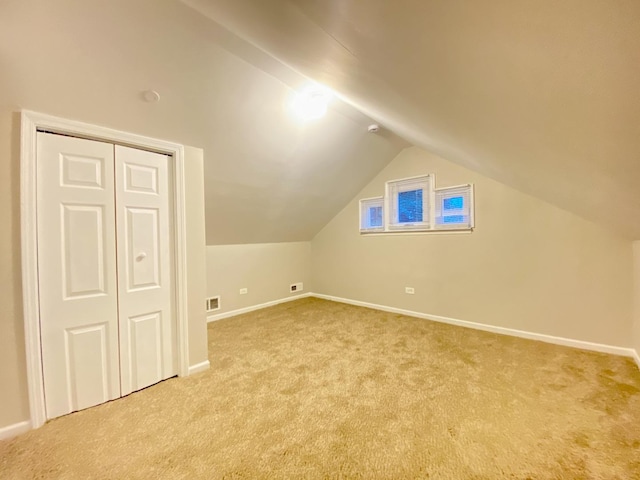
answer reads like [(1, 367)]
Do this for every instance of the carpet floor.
[(322, 390)]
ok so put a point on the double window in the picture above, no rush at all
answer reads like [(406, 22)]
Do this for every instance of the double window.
[(414, 204)]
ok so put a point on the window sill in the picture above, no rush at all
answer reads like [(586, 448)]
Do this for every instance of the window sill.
[(440, 231)]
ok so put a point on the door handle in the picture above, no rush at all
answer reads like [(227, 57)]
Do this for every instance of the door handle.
[(141, 256)]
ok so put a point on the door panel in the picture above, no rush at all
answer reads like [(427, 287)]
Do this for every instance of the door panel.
[(83, 240), (143, 240), (77, 272), (145, 334), (87, 365), (82, 171), (145, 252), (141, 179)]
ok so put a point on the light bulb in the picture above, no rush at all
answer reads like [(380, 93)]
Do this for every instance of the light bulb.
[(311, 103)]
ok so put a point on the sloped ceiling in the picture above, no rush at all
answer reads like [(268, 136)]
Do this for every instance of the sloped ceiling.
[(541, 95), (268, 177)]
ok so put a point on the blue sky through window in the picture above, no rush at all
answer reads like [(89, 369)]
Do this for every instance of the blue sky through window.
[(410, 206), (453, 219), (453, 203)]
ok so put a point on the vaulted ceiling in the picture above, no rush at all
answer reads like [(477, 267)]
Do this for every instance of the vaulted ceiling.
[(541, 95), (268, 176)]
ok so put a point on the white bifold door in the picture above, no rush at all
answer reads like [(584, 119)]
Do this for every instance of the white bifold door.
[(105, 267)]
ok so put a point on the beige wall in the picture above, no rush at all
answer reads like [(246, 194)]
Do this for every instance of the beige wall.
[(14, 405), (196, 255), (265, 269), (528, 265), (636, 297)]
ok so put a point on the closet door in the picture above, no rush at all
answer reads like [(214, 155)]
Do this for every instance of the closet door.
[(145, 268), (77, 272)]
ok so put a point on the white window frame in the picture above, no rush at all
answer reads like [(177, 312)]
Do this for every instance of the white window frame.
[(430, 208), (394, 187), (456, 190), (366, 203)]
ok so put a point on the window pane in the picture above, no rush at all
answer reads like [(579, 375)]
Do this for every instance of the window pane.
[(371, 214), (454, 219), (375, 216), (410, 206), (453, 203)]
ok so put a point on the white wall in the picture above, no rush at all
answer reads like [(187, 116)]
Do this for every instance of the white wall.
[(265, 269), (528, 265)]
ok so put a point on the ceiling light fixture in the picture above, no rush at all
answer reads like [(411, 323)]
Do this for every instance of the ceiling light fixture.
[(312, 102)]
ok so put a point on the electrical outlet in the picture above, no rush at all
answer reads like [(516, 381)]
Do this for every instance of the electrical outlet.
[(409, 290), (244, 291), (296, 287)]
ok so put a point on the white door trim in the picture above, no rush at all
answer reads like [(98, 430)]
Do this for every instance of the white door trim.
[(31, 123)]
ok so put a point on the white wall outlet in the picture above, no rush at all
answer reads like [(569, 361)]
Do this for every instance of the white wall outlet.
[(409, 290), (296, 287), (244, 291)]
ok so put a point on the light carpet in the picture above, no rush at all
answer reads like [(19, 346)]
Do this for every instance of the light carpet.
[(322, 390)]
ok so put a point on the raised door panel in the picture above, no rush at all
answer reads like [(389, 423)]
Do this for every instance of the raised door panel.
[(141, 179), (88, 365), (77, 272), (145, 350), (142, 248), (83, 254), (82, 171)]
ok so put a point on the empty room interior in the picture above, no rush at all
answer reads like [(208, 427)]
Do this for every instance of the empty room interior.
[(365, 239)]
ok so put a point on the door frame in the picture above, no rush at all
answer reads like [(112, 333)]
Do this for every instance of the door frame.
[(31, 123)]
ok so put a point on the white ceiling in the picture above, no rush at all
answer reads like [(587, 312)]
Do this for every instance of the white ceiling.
[(268, 177), (541, 95)]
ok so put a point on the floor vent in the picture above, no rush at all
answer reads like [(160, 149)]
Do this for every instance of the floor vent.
[(213, 304)]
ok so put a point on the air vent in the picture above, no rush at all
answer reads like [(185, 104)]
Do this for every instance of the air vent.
[(213, 304)]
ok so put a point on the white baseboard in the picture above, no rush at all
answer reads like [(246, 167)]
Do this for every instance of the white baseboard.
[(233, 313), (567, 342), (14, 430), (198, 367)]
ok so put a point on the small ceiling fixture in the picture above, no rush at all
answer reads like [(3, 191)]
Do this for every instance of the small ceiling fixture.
[(150, 96), (312, 102), (373, 128)]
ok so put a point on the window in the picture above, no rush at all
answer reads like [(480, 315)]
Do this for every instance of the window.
[(416, 205), (454, 207), (410, 207), (371, 215), (409, 203)]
